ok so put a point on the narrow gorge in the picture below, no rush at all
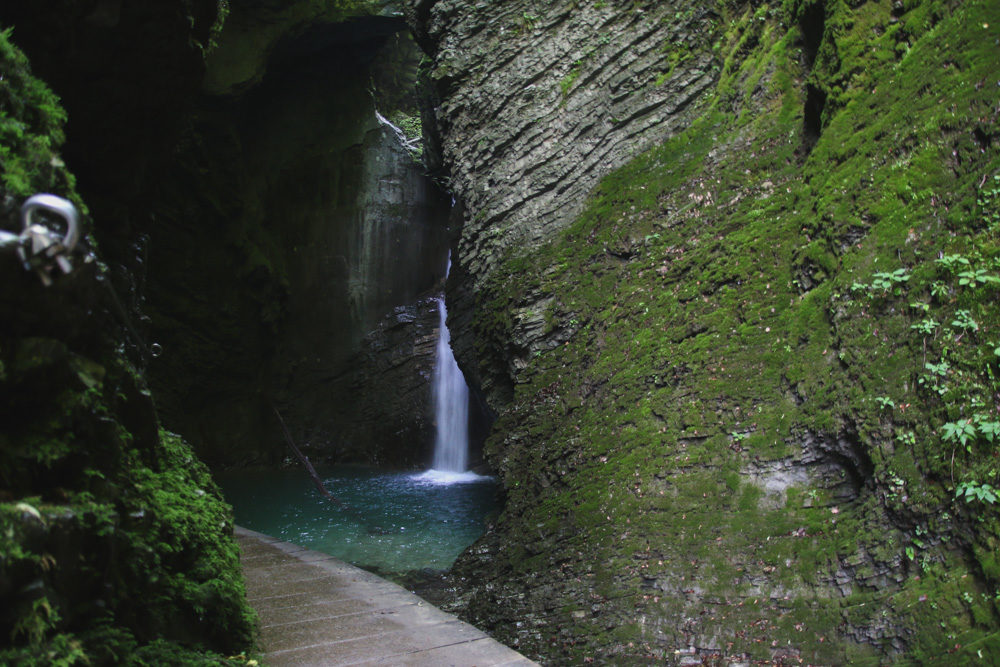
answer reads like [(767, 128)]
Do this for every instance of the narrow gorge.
[(721, 283)]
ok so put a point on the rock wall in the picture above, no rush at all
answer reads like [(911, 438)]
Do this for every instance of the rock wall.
[(731, 373), (394, 364), (295, 221), (532, 103), (258, 32)]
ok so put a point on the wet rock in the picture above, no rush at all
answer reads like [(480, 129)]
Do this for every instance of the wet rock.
[(389, 418), (570, 92), (294, 222)]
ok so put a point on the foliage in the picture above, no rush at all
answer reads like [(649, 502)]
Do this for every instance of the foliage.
[(974, 491), (115, 545), (31, 128), (412, 130), (149, 522)]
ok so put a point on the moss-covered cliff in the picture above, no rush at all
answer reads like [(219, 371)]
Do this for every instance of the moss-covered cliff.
[(727, 271), (115, 544), (748, 393)]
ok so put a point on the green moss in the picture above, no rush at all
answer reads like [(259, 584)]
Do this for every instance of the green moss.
[(733, 313), (116, 533), (31, 129), (566, 83)]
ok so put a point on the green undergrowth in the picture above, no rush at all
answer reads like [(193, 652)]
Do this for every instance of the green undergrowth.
[(116, 546), (769, 428), (31, 129)]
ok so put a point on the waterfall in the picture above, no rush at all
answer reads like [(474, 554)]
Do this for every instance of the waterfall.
[(451, 404), (451, 411)]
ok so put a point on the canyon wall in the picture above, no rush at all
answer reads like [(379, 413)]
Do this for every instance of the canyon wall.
[(292, 223), (532, 104), (727, 274), (256, 213)]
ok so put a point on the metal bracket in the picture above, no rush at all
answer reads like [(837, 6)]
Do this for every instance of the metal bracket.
[(40, 248)]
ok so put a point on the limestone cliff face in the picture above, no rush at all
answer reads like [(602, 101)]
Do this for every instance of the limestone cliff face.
[(392, 366), (294, 222), (533, 102), (731, 373)]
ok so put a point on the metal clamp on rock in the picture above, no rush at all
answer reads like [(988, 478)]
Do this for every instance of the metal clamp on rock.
[(40, 248)]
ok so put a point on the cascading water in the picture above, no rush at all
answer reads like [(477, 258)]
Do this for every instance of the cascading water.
[(451, 411), (422, 521), (451, 404)]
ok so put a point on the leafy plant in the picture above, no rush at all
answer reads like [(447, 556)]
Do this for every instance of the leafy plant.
[(34, 624), (886, 281), (976, 277), (972, 490), (990, 430), (931, 382), (963, 320), (941, 368), (926, 326), (952, 263), (961, 432), (987, 202), (939, 289)]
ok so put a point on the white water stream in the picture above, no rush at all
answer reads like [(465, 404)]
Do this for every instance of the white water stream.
[(451, 412), (451, 404)]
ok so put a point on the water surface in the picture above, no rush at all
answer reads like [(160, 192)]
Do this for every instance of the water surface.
[(396, 522)]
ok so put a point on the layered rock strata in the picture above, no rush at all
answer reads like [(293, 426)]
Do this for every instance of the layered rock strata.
[(731, 374), (534, 102)]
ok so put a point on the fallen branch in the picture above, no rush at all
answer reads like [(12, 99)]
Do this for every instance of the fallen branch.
[(309, 466), (372, 528)]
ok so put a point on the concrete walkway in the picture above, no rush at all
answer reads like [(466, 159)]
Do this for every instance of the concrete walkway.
[(317, 610)]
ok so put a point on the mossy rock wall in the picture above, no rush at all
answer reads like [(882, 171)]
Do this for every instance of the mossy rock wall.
[(748, 396), (529, 104), (115, 544)]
